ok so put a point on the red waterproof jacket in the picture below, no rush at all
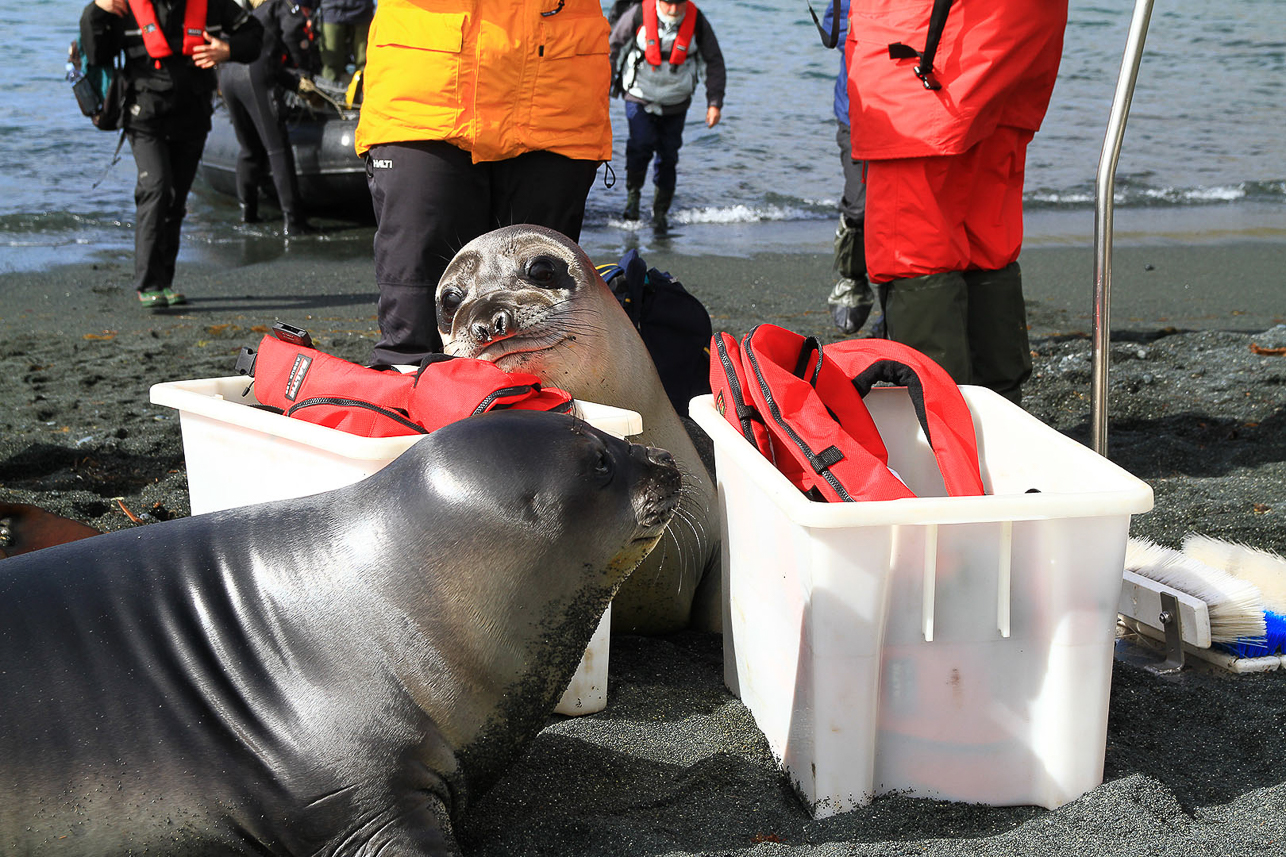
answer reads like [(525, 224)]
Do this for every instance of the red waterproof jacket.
[(996, 62)]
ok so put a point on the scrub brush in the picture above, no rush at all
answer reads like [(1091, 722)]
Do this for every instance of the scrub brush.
[(1266, 570), (1236, 606)]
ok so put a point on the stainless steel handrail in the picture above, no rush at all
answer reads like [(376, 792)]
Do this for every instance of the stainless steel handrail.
[(1104, 189)]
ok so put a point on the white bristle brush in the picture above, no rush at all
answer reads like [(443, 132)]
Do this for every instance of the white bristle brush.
[(1236, 606), (1264, 569)]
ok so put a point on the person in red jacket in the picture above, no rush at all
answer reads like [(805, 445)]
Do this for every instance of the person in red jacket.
[(944, 130)]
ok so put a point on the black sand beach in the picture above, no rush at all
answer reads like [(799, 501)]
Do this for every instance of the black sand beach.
[(675, 765)]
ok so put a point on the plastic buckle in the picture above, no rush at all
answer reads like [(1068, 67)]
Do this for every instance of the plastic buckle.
[(927, 78), (246, 361)]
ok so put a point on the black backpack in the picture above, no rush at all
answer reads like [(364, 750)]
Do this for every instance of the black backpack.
[(674, 325)]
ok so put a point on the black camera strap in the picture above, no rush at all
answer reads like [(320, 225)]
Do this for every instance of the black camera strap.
[(116, 157), (831, 39)]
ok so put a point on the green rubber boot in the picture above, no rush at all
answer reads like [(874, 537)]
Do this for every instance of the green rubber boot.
[(633, 195), (661, 208), (851, 299)]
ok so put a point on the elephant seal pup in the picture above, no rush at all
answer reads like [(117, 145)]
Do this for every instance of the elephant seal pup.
[(335, 674), (528, 299)]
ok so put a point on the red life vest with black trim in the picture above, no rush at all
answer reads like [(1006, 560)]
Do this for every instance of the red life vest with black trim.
[(652, 33), (158, 47), (320, 388), (801, 406)]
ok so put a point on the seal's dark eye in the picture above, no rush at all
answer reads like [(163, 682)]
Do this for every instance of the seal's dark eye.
[(542, 271), (448, 302)]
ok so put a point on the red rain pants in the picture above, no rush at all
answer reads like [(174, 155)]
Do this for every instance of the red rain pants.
[(939, 213)]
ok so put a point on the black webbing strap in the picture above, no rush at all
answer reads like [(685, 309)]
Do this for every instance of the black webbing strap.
[(809, 362), (924, 70), (825, 460), (831, 39)]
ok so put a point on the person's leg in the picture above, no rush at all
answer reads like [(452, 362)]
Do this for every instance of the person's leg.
[(639, 147), (669, 139), (334, 51), (185, 158), (359, 34), (151, 199), (429, 201), (851, 298), (1001, 352), (543, 189), (238, 97), (916, 250), (264, 110), (993, 220), (929, 314)]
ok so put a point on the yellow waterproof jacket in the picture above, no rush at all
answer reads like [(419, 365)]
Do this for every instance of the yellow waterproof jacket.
[(493, 77)]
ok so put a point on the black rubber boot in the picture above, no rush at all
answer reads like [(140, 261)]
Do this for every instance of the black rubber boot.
[(661, 208), (1000, 350), (296, 225), (930, 314), (250, 212)]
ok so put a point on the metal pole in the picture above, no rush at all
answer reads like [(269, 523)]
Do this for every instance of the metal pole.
[(1103, 205)]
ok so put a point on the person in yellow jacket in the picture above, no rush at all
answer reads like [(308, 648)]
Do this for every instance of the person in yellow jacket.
[(476, 114)]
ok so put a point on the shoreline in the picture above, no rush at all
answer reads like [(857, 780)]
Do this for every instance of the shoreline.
[(1232, 285)]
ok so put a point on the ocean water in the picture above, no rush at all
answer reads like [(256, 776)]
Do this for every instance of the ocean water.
[(1204, 153)]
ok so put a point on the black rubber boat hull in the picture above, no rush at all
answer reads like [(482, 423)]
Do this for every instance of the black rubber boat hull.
[(332, 178)]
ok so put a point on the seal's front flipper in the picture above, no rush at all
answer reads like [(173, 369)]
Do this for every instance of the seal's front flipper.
[(421, 830)]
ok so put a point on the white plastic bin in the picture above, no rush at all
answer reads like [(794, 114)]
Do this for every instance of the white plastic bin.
[(953, 648), (238, 454)]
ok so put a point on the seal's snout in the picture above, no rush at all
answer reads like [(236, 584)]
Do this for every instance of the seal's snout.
[(498, 326), (659, 496)]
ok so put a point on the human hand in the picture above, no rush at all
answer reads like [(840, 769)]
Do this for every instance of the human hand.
[(713, 114), (213, 52), (306, 85), (116, 7)]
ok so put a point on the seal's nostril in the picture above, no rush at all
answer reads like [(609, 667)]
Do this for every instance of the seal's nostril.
[(659, 456), (480, 332), (500, 324)]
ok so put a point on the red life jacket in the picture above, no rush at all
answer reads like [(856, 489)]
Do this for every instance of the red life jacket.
[(154, 40), (320, 388), (801, 406), (682, 41)]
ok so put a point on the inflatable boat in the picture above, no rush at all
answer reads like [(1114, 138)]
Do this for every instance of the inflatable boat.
[(332, 178)]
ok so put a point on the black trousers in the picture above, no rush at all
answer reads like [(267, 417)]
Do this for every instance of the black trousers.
[(166, 165), (255, 111), (430, 200)]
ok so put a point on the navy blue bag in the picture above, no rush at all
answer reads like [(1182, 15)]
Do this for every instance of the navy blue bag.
[(674, 325)]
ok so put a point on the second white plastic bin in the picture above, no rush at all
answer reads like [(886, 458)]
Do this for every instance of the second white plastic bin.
[(955, 648)]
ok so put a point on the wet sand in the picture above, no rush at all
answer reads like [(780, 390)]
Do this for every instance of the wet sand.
[(675, 765)]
